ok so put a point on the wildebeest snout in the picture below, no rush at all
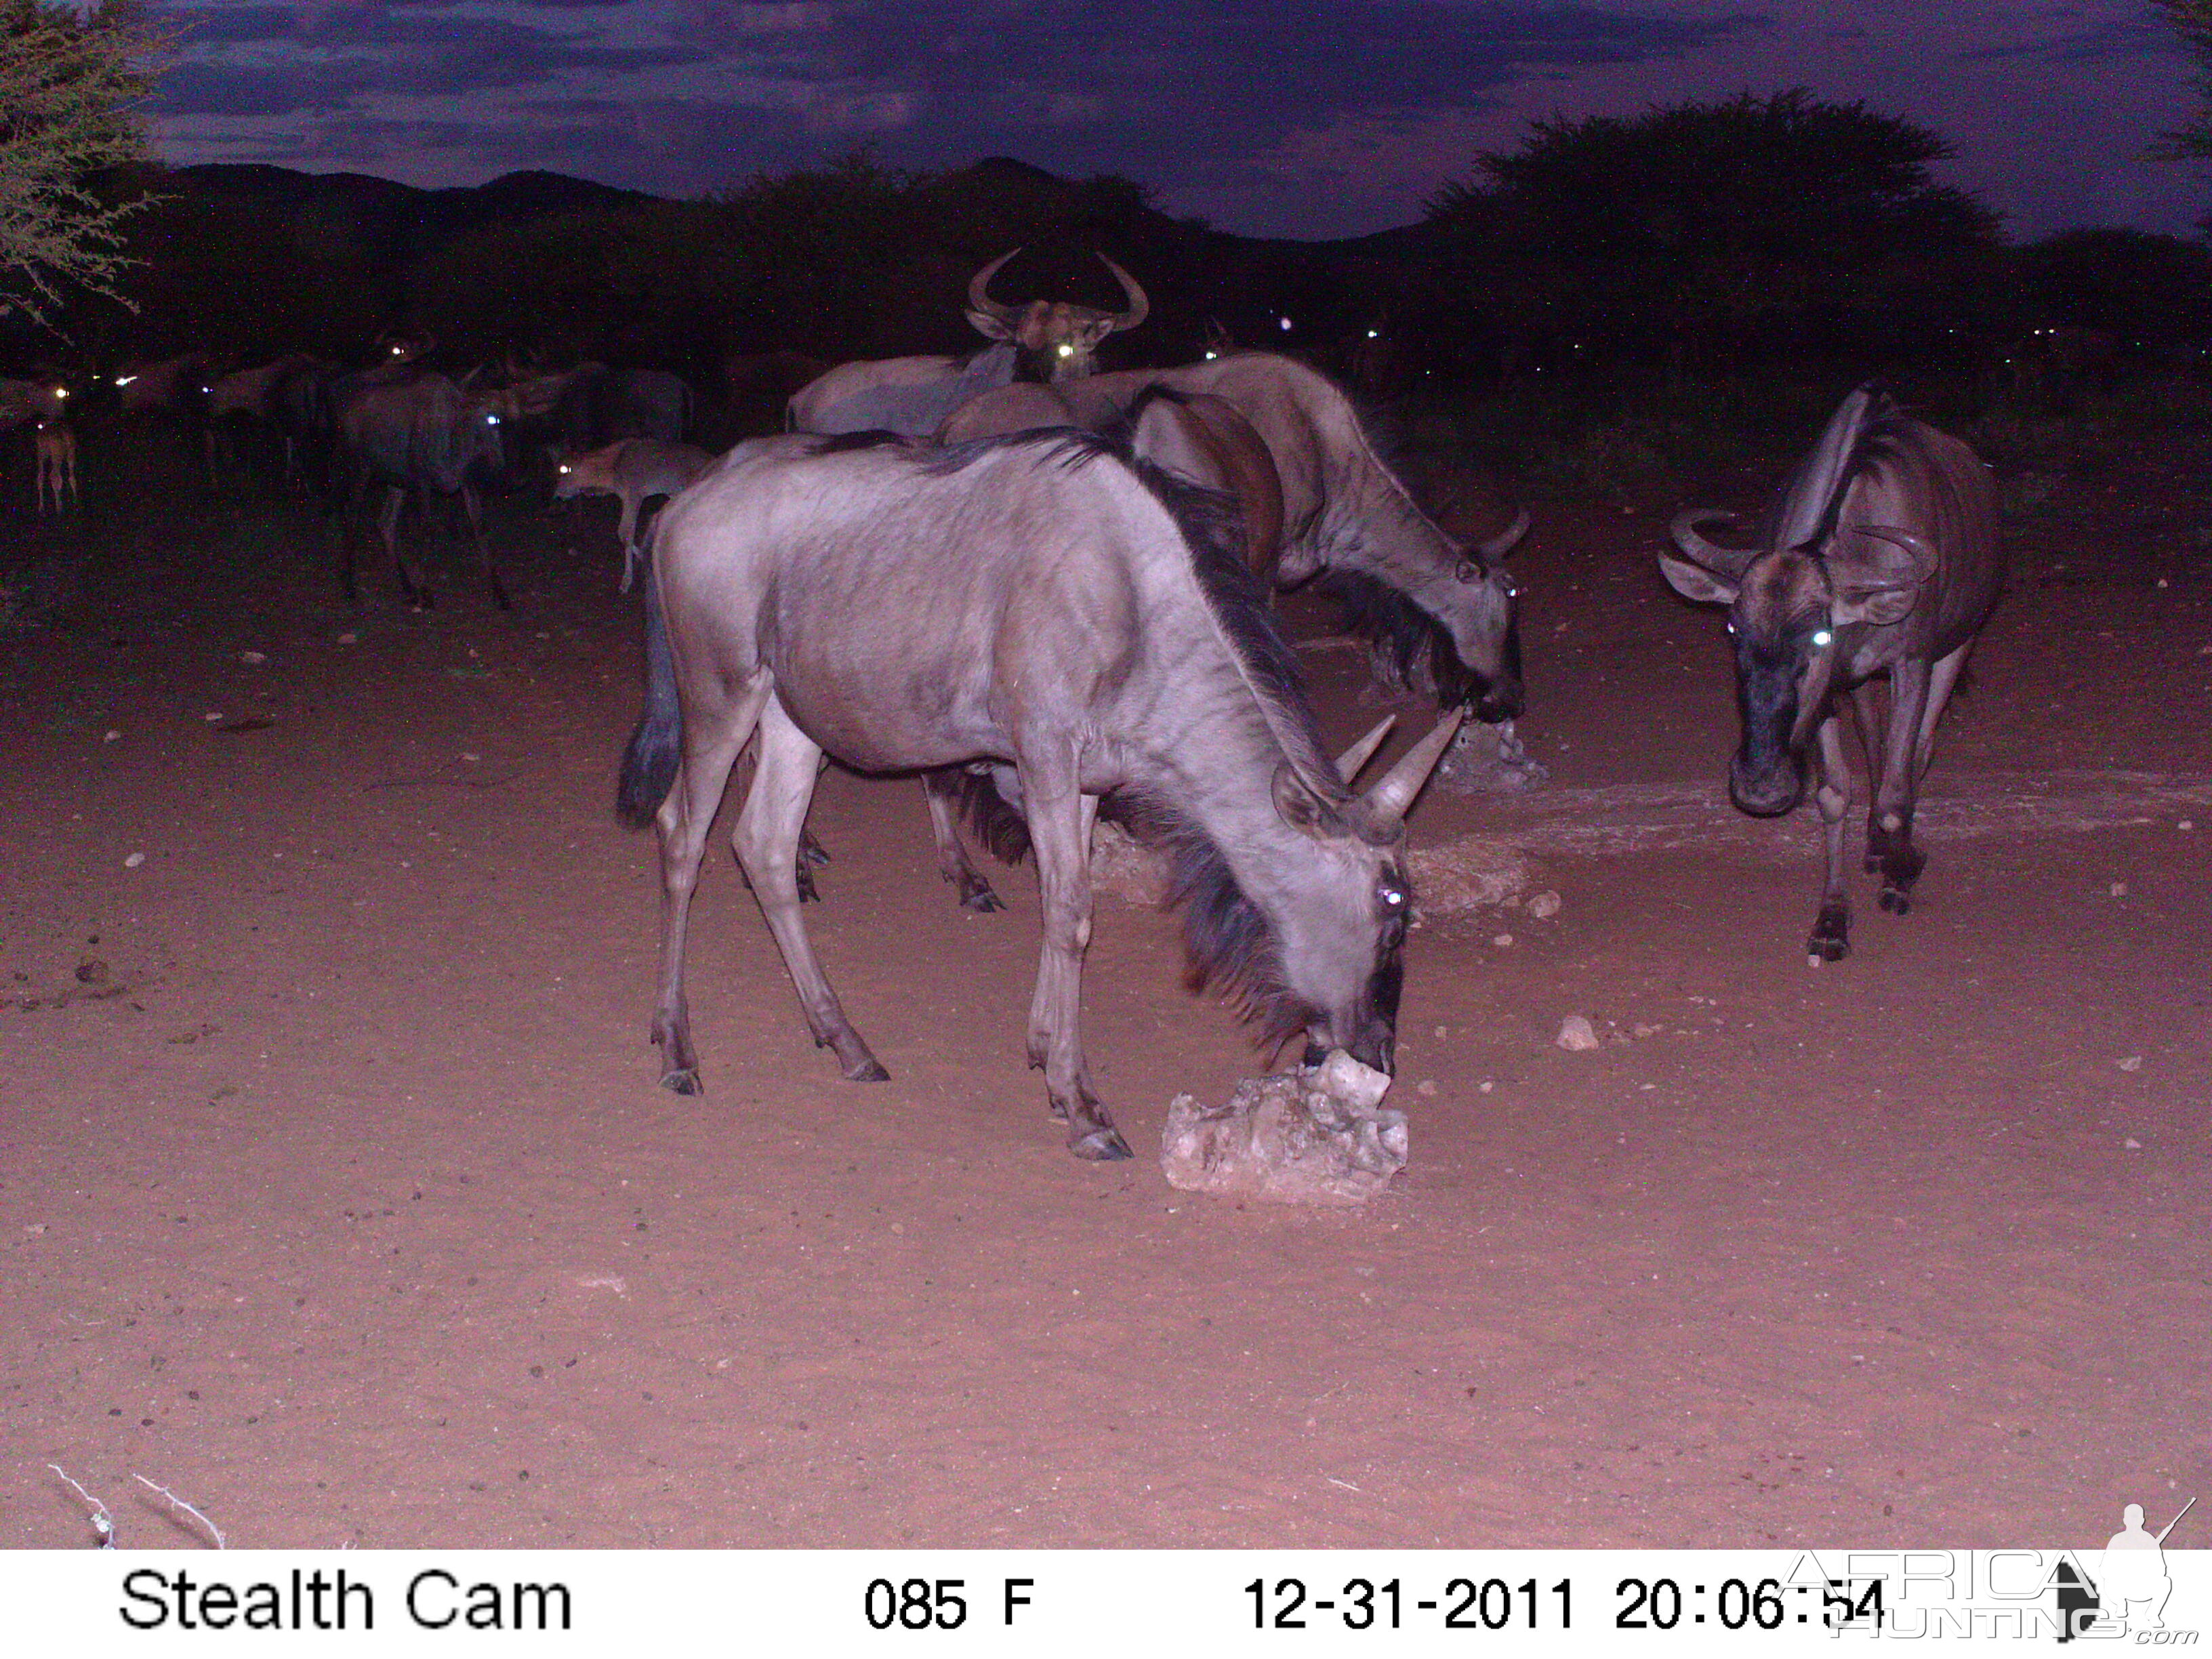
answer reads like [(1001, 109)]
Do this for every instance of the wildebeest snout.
[(1769, 791)]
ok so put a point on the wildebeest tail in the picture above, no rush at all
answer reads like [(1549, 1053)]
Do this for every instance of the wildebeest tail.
[(996, 823), (648, 767)]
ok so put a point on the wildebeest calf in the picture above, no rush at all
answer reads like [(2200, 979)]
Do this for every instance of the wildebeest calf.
[(634, 471), (1880, 559)]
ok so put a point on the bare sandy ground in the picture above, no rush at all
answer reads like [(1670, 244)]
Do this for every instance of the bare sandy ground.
[(336, 1194)]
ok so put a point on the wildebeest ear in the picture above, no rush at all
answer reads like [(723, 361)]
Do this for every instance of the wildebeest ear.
[(990, 327), (1694, 582), (1299, 807)]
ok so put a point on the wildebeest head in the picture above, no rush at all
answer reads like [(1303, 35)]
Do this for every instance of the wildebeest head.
[(1348, 978), (1794, 603), (1057, 341), (1487, 630)]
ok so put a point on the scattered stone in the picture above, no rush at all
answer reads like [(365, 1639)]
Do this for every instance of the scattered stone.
[(2185, 823), (349, 639), (2132, 1063), (1577, 1034), (2118, 888), (2132, 1144), (252, 656), (134, 860), (1544, 906), (92, 972), (113, 737), (1489, 760), (1642, 1029), (1503, 940), (1319, 1135), (1426, 1088), (211, 718), (1486, 1086)]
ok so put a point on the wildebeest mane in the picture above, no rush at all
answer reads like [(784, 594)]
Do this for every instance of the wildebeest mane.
[(1406, 638), (1069, 446), (1228, 946), (873, 437)]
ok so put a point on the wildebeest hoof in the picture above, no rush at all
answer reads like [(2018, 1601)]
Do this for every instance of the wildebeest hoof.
[(684, 1080), (1896, 900), (982, 900), (812, 851), (869, 1071), (804, 881), (1101, 1145)]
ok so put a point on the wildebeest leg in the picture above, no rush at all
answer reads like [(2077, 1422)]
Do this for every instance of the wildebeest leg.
[(1894, 796), (627, 530), (387, 523), (473, 504), (711, 740), (942, 791), (1060, 819), (1831, 929), (1943, 679), (767, 841)]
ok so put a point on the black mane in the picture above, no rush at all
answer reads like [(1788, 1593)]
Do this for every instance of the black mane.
[(1406, 638)]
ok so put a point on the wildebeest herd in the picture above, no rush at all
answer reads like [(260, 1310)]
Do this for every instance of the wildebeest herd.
[(1046, 589)]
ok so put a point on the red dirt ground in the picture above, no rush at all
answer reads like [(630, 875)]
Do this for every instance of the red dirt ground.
[(336, 1196)]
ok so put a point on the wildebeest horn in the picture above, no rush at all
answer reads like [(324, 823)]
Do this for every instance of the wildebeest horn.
[(1139, 307), (1390, 799), (979, 299), (1812, 488), (1506, 539), (1711, 555), (1923, 556), (1353, 760)]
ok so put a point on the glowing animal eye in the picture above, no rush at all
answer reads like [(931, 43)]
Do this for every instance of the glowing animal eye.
[(1822, 637), (1730, 627), (491, 420), (1373, 333), (61, 392), (1392, 895), (1210, 355), (1067, 351), (1286, 323)]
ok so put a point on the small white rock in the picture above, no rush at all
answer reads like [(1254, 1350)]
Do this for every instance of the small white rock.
[(1426, 1086), (1577, 1034), (2185, 823), (1544, 906), (252, 656), (2119, 888), (113, 737), (1503, 940), (134, 860), (1443, 1030), (2132, 1063), (2132, 1144), (211, 718), (349, 639)]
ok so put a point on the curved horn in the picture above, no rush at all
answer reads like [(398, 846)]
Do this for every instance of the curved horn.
[(1139, 307), (1389, 799), (980, 300), (1923, 556), (1506, 539), (1353, 760), (1722, 561), (1812, 488)]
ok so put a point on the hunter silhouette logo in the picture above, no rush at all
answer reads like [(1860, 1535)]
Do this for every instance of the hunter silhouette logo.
[(2131, 1585)]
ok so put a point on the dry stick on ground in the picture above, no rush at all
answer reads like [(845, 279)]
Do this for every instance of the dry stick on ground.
[(214, 1531), (102, 1523)]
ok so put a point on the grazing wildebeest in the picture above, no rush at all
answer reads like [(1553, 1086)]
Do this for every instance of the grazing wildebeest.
[(913, 396), (1429, 604), (1199, 438), (241, 404), (1880, 559), (424, 435), (1053, 605), (54, 452), (634, 471)]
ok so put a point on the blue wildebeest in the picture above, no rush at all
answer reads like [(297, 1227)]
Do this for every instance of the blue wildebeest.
[(1879, 560), (242, 404), (1041, 341), (1198, 438), (1050, 605), (425, 435), (1433, 606)]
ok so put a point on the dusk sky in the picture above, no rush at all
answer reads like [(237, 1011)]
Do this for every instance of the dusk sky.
[(1308, 119)]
